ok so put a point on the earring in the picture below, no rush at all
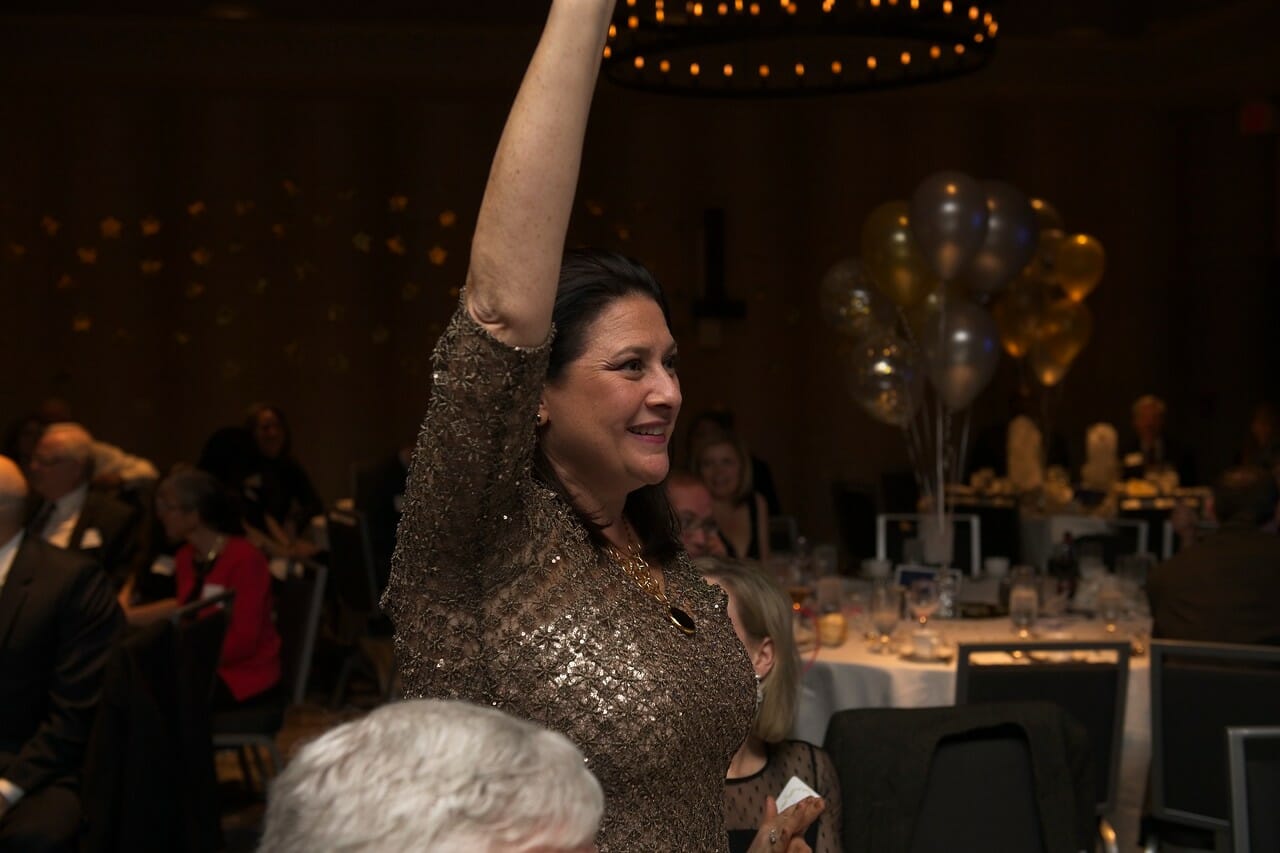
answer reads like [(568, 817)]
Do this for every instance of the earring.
[(759, 691), (537, 419)]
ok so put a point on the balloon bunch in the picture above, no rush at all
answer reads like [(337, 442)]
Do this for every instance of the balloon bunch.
[(1042, 315), (915, 304)]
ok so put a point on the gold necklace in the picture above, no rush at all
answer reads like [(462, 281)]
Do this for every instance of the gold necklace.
[(212, 555), (634, 566)]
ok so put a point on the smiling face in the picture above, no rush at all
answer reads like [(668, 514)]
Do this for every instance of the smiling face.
[(610, 413), (269, 433), (721, 469)]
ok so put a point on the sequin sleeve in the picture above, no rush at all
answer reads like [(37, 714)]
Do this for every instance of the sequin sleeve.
[(473, 452)]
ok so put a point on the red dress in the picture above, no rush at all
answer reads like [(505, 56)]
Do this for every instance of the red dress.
[(250, 660)]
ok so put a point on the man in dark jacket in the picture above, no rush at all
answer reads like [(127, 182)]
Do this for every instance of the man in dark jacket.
[(71, 514), (1226, 587), (58, 617)]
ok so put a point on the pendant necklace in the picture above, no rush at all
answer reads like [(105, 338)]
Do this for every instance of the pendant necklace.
[(634, 565)]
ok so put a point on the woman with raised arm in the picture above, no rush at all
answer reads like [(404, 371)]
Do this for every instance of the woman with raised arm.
[(538, 568)]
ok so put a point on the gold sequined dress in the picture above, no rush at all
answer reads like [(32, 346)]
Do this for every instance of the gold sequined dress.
[(498, 597)]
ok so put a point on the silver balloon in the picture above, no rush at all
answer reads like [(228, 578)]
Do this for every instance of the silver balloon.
[(949, 221), (885, 378), (1012, 234), (851, 302), (961, 349)]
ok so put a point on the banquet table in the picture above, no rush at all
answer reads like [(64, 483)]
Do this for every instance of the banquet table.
[(853, 676)]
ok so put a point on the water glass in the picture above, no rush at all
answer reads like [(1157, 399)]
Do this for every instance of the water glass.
[(1110, 604)]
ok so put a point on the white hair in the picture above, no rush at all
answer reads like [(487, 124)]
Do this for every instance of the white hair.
[(434, 775), (75, 440)]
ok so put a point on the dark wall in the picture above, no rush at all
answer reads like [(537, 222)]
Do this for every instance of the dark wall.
[(289, 303)]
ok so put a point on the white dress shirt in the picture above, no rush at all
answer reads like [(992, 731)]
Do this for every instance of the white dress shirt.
[(66, 514)]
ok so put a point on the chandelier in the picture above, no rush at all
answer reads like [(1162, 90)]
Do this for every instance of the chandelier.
[(765, 48)]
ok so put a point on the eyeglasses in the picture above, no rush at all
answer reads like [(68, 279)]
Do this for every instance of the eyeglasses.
[(690, 524)]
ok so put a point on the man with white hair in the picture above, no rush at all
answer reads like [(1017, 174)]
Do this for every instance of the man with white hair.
[(1150, 448), (432, 775), (58, 617), (73, 516), (691, 502)]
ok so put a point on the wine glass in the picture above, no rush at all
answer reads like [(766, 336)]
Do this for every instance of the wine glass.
[(923, 600), (886, 610), (1023, 600)]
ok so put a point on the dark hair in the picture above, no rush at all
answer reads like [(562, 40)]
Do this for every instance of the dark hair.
[(200, 491), (1245, 495), (251, 424), (590, 281)]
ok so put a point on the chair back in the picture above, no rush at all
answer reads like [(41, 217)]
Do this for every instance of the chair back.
[(893, 529), (149, 782), (999, 814), (1131, 536), (1006, 776), (1198, 691), (1089, 681), (351, 558), (1253, 758), (299, 602)]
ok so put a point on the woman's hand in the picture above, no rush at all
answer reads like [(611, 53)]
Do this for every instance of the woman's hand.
[(784, 833)]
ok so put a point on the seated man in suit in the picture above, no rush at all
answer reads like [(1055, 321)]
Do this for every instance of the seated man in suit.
[(1226, 587), (58, 617), (71, 515)]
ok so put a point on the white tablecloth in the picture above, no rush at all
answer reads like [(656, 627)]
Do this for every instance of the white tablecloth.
[(852, 676)]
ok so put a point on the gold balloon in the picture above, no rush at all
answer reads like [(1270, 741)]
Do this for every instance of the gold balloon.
[(1017, 314), (890, 254), (1047, 215), (1078, 265), (1046, 371), (1044, 262), (1065, 329)]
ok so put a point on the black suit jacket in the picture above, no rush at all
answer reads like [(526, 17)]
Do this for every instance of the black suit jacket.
[(58, 618), (1223, 589), (115, 542)]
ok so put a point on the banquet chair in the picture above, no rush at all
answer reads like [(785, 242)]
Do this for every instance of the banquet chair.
[(252, 730), (1088, 680), (148, 782), (1253, 760), (1000, 776), (356, 590), (1198, 691)]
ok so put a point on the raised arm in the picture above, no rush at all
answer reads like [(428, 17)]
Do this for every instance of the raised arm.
[(520, 232)]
